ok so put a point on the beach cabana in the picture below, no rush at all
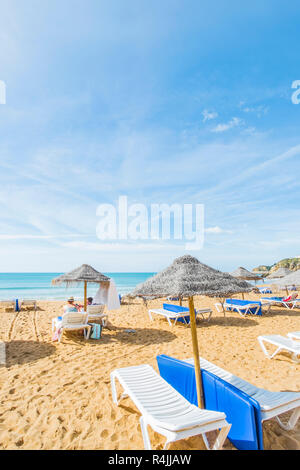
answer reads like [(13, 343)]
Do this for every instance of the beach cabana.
[(84, 274), (279, 273), (187, 277)]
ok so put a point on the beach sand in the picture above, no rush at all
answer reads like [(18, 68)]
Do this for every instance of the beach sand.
[(58, 396)]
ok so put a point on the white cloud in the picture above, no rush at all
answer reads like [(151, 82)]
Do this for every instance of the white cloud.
[(234, 122), (258, 110), (216, 230), (207, 115)]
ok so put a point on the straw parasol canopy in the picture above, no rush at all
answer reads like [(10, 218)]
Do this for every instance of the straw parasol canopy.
[(85, 274), (293, 279), (281, 272), (186, 276), (243, 273)]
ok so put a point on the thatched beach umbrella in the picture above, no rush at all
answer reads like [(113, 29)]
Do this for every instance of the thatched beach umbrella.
[(293, 279), (281, 272), (245, 275), (186, 276), (85, 274)]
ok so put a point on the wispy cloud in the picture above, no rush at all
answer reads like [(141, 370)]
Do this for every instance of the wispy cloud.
[(208, 115), (234, 122), (259, 110), (217, 230)]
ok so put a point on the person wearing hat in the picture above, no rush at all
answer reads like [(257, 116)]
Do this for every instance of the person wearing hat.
[(70, 306)]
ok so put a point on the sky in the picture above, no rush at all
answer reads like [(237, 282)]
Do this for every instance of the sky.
[(175, 102)]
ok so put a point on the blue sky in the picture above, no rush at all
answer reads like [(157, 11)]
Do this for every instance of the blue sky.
[(173, 102)]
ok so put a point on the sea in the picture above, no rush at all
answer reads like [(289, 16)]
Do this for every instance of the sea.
[(38, 285)]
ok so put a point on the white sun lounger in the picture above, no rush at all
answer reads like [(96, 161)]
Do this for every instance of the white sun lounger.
[(169, 315), (72, 321), (28, 302), (272, 404), (294, 335), (164, 409), (95, 312), (289, 304), (243, 310), (282, 344)]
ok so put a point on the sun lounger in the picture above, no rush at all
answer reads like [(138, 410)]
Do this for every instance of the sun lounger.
[(177, 313), (245, 405), (71, 321), (164, 409), (95, 312), (294, 335), (282, 344), (27, 303), (289, 302), (265, 290), (243, 307)]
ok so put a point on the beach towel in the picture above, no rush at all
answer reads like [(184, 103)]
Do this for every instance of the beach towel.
[(95, 331), (107, 294)]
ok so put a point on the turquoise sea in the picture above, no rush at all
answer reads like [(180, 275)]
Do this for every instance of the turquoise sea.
[(38, 285)]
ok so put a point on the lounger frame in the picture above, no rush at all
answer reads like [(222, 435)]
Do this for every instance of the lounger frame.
[(217, 382), (157, 397), (290, 305), (170, 315), (72, 321), (28, 302), (95, 312), (243, 310), (282, 344)]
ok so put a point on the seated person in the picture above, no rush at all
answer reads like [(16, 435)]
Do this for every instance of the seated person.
[(90, 300), (70, 306)]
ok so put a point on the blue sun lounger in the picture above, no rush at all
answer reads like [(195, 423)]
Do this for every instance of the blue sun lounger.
[(177, 313), (265, 290), (243, 307), (245, 405)]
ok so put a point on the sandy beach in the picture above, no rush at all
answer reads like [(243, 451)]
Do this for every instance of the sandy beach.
[(57, 396)]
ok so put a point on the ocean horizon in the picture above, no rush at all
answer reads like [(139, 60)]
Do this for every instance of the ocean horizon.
[(38, 285)]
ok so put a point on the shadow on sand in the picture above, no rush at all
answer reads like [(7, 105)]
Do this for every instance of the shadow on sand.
[(140, 336), (228, 321), (22, 352)]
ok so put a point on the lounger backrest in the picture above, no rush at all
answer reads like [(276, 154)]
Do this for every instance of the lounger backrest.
[(175, 308), (95, 309), (240, 408), (291, 297), (72, 318), (28, 302)]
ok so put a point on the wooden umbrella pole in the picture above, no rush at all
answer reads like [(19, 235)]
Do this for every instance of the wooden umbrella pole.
[(85, 295), (180, 300), (196, 353)]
